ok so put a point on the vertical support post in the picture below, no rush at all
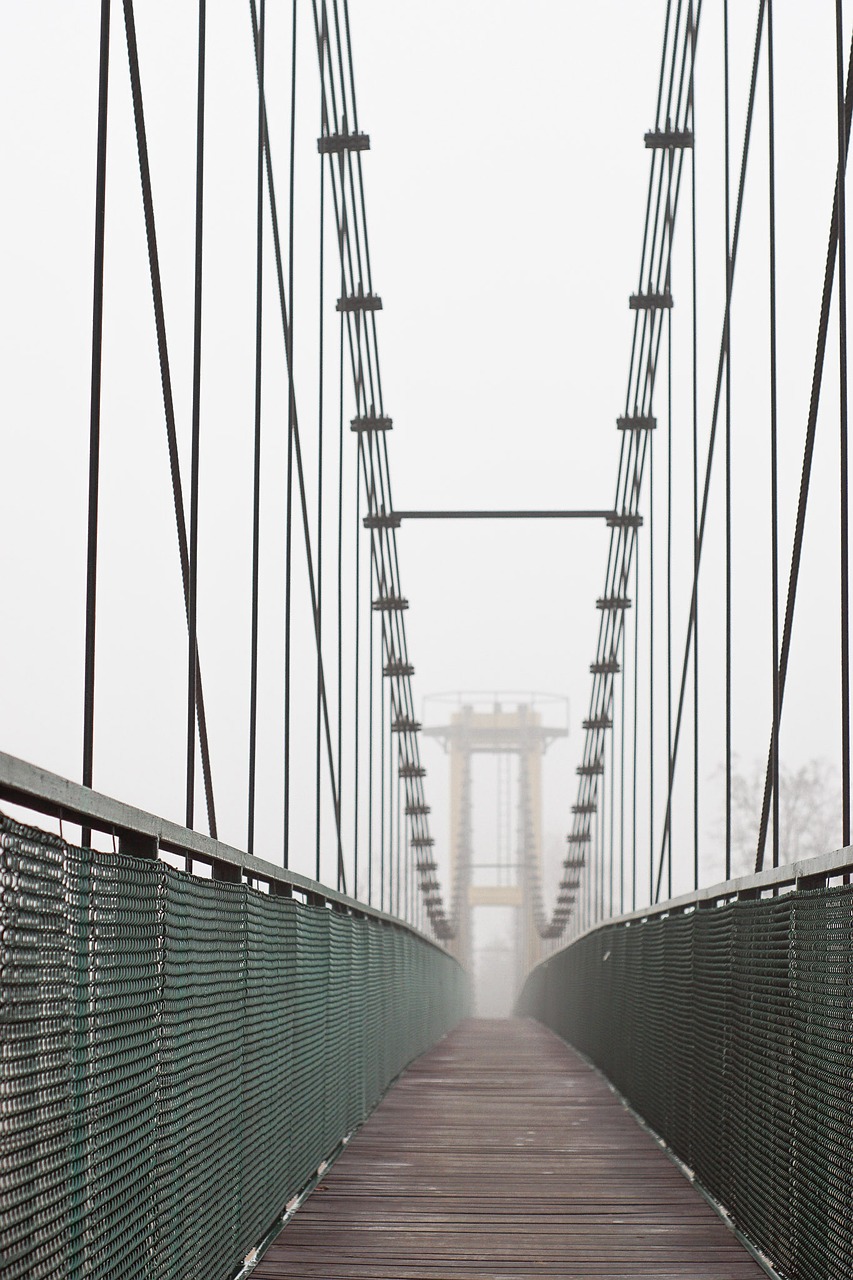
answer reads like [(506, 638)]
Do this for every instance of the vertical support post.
[(842, 369), (774, 487), (256, 485), (192, 591), (728, 467), (95, 406)]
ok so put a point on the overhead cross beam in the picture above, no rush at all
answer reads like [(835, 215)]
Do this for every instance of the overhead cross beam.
[(505, 515)]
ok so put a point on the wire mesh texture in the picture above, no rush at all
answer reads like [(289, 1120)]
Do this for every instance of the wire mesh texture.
[(729, 1029), (180, 1055)]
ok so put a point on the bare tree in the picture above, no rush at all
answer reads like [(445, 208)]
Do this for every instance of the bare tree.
[(809, 818)]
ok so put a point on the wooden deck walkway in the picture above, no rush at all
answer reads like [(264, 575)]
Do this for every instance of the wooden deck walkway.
[(501, 1154)]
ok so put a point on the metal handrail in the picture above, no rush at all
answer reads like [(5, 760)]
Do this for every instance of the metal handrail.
[(806, 873), (142, 835)]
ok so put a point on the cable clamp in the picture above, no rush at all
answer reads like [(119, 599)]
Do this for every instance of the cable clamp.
[(654, 300), (403, 724), (635, 422), (624, 520), (371, 421), (669, 139), (336, 144), (395, 667), (359, 301), (382, 520), (390, 604)]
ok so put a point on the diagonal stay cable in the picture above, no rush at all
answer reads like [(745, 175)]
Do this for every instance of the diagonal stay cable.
[(808, 454), (713, 432), (165, 376)]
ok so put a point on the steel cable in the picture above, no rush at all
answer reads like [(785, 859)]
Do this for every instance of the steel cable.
[(196, 419), (166, 377), (95, 403)]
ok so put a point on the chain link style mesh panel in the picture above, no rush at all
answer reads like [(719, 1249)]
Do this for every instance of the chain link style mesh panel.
[(730, 1031), (180, 1055)]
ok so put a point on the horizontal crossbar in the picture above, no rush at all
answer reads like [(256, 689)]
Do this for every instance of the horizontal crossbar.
[(505, 515)]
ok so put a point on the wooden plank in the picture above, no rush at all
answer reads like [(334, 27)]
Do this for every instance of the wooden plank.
[(500, 1153)]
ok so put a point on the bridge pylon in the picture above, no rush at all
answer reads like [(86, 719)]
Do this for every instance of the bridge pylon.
[(497, 725)]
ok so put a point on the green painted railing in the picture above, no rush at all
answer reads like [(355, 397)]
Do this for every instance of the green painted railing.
[(180, 1055), (728, 1026)]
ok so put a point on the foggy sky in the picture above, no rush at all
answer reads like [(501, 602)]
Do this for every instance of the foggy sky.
[(506, 190)]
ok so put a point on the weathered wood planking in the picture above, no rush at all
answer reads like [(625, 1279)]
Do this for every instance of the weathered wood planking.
[(501, 1154)]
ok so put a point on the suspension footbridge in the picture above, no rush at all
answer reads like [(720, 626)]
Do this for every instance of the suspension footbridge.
[(239, 1030)]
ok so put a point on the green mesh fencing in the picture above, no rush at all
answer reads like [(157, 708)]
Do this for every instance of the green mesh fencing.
[(730, 1031), (180, 1055)]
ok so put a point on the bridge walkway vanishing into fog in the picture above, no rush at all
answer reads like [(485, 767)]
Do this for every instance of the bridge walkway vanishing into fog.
[(502, 1153)]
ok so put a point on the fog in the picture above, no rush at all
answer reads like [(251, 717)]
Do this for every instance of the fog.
[(506, 188)]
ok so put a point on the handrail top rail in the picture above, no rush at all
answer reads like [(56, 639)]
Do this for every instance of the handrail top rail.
[(806, 873), (143, 834)]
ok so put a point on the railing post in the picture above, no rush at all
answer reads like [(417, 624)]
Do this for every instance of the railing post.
[(817, 881), (225, 872), (136, 845)]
